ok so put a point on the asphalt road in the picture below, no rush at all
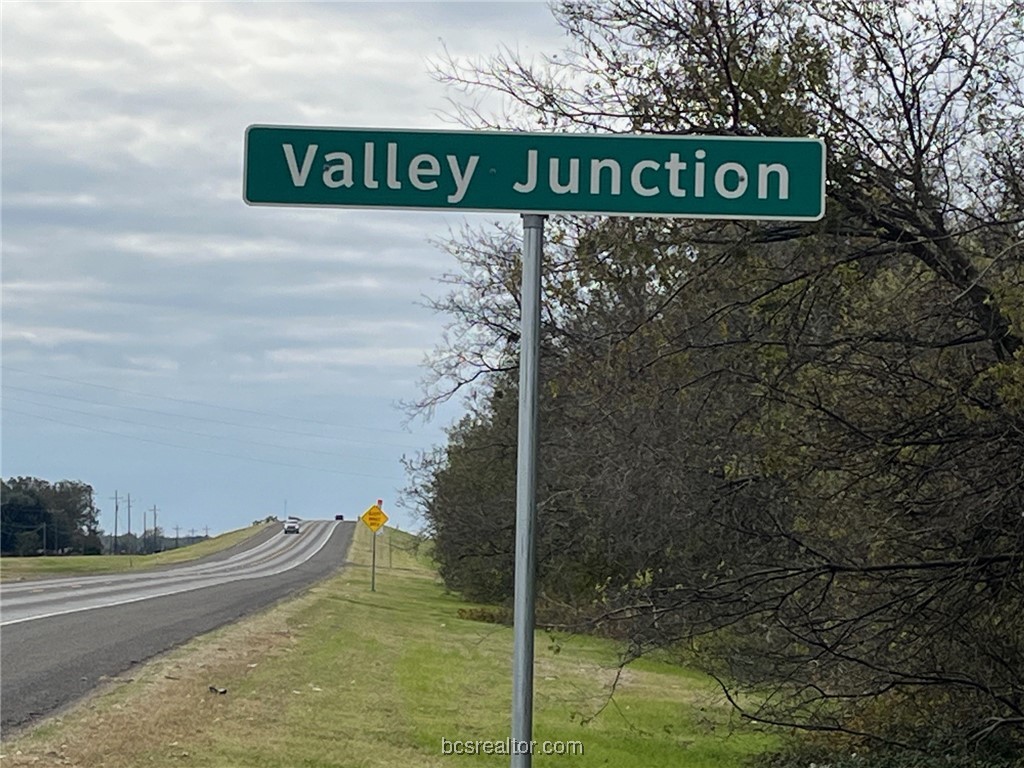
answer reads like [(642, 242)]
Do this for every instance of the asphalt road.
[(60, 637)]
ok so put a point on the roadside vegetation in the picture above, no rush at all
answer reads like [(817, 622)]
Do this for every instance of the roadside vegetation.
[(15, 568), (343, 676), (793, 451), (38, 516)]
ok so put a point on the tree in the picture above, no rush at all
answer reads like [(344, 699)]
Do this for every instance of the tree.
[(28, 543), (22, 512), (64, 511), (797, 448)]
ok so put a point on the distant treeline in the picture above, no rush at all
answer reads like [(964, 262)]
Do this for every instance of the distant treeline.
[(147, 543), (41, 517)]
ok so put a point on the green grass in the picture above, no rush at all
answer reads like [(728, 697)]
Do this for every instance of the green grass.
[(12, 568), (346, 677)]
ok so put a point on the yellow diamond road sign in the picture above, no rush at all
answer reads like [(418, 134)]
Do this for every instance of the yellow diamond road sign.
[(374, 518)]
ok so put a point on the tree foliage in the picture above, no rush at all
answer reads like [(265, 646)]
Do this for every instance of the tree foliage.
[(797, 450), (39, 516)]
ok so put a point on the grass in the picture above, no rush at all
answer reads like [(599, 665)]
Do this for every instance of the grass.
[(17, 568), (342, 676)]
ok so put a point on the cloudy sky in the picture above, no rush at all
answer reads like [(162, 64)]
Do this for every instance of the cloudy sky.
[(161, 338)]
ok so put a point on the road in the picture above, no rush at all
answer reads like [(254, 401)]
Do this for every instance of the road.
[(60, 637)]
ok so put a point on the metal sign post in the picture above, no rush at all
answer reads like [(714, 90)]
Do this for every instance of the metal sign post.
[(526, 493), (374, 519)]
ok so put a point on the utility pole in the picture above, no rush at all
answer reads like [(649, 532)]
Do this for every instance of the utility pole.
[(115, 522), (129, 520), (191, 534), (156, 544), (206, 530), (177, 530)]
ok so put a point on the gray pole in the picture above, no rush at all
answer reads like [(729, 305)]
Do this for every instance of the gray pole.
[(526, 493), (373, 563), (115, 522)]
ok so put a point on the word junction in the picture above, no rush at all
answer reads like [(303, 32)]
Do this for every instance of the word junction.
[(544, 173)]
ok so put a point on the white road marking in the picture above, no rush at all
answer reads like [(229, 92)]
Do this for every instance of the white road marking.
[(212, 575)]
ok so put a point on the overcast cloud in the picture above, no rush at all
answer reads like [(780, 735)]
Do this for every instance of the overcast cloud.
[(162, 338)]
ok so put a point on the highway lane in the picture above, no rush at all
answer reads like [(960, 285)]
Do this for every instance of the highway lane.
[(59, 637), (27, 601)]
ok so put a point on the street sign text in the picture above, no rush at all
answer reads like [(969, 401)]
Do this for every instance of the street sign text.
[(374, 518), (609, 174)]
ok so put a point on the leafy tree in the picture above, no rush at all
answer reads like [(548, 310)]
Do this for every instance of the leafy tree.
[(20, 512), (64, 512), (796, 449), (27, 543)]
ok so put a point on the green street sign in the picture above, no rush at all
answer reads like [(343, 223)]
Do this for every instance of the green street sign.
[(709, 177)]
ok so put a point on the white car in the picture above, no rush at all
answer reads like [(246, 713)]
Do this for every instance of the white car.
[(291, 525)]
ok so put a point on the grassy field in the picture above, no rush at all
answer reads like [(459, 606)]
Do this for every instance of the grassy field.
[(343, 676), (13, 568)]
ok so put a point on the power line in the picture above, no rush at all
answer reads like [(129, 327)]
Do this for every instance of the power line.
[(247, 441), (203, 404), (197, 418), (23, 526), (201, 450)]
